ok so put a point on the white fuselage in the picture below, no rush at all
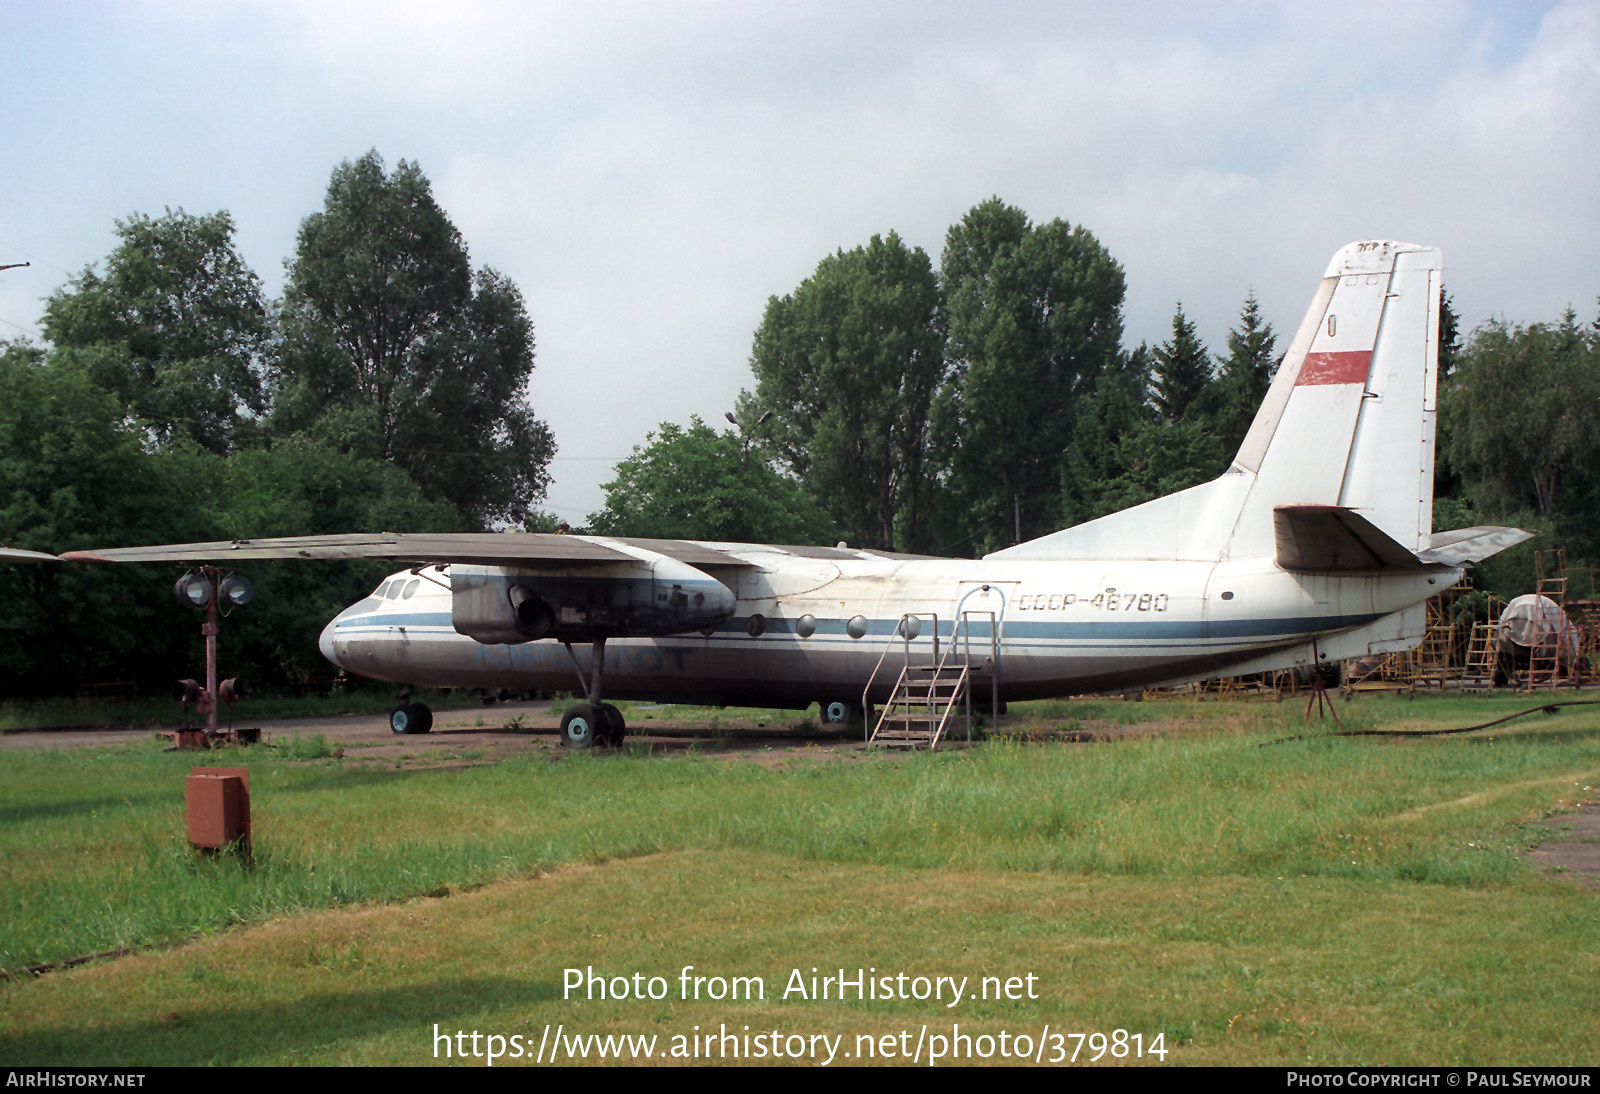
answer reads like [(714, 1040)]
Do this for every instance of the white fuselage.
[(1064, 628)]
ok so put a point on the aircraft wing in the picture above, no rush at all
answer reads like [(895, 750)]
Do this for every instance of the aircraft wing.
[(472, 548), (17, 554)]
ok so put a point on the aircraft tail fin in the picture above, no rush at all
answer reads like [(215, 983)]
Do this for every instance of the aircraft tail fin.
[(1338, 462), (1349, 420)]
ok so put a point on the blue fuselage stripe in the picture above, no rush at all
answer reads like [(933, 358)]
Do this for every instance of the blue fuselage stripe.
[(1160, 632)]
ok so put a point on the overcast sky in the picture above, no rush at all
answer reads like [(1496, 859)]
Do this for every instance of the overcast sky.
[(650, 174)]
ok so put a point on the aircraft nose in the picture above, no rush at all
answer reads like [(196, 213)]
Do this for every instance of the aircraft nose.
[(325, 642)]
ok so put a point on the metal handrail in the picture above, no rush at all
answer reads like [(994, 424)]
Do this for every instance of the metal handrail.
[(935, 732), (994, 661)]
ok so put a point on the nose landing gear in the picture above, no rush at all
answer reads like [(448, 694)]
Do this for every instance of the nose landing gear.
[(411, 718)]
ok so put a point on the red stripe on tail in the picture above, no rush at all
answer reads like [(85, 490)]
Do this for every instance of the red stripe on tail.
[(1345, 367)]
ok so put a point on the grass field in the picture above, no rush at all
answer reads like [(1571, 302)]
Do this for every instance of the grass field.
[(1251, 889)]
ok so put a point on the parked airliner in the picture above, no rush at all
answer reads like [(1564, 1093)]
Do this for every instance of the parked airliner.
[(1315, 545)]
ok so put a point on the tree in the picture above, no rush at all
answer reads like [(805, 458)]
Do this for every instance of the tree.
[(394, 348), (1446, 479), (74, 475), (697, 483), (176, 328), (1180, 370), (1035, 317), (1244, 375), (1095, 461), (848, 364), (1519, 412)]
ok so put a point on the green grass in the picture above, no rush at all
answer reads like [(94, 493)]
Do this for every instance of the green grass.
[(1317, 899)]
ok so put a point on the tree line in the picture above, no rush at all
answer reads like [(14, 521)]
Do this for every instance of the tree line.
[(959, 410)]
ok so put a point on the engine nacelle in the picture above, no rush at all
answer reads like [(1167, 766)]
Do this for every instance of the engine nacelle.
[(642, 597)]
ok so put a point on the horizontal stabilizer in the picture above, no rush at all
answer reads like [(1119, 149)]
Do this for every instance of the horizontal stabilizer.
[(1333, 539), (1470, 544)]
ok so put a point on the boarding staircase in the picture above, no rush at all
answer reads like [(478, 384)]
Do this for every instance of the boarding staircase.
[(929, 694)]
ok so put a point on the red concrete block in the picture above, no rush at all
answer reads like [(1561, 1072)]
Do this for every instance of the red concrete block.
[(218, 806)]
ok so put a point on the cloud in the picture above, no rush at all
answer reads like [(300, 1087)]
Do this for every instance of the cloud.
[(650, 173)]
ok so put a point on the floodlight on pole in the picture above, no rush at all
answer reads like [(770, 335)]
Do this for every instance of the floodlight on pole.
[(207, 589)]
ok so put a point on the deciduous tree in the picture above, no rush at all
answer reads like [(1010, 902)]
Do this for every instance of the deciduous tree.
[(848, 364), (175, 328), (74, 474), (697, 483), (1521, 409), (1035, 317), (394, 348)]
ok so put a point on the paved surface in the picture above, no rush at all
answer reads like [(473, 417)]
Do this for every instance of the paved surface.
[(492, 732), (1573, 849)]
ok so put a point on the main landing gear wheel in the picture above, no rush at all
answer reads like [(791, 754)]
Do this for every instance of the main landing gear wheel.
[(582, 725), (616, 728), (836, 713), (411, 718)]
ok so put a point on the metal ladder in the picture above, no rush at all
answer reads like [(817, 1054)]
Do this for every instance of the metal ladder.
[(1483, 654), (1545, 661)]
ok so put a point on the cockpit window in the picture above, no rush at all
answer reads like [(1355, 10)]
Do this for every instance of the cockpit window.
[(411, 587), (370, 604)]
